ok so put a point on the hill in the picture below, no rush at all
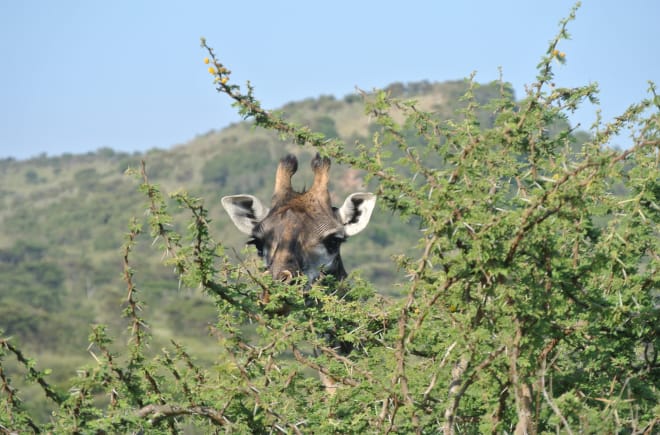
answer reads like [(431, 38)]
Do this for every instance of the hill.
[(64, 220)]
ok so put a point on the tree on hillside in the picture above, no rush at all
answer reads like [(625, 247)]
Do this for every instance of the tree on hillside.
[(532, 306)]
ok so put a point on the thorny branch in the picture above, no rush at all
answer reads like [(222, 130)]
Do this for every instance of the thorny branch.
[(33, 373)]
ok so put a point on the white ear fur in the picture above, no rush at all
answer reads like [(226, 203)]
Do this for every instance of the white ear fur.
[(356, 212), (245, 211)]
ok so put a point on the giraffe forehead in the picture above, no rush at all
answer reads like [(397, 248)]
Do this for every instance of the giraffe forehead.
[(289, 221)]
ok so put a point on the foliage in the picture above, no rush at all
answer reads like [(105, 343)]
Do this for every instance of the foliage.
[(531, 306), (73, 220)]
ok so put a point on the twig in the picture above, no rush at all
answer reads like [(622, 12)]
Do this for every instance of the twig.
[(552, 404), (34, 374), (156, 413)]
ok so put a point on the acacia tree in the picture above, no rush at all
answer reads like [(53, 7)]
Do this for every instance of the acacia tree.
[(532, 306)]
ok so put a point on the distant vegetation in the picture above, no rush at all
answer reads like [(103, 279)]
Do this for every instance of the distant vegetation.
[(64, 217), (508, 283), (64, 220)]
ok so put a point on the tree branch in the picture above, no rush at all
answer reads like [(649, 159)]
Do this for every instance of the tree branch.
[(156, 413)]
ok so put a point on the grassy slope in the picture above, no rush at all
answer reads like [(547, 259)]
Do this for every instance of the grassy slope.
[(68, 215)]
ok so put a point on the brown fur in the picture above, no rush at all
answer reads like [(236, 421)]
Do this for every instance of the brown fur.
[(301, 233)]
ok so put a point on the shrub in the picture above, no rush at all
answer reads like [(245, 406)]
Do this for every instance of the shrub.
[(532, 306)]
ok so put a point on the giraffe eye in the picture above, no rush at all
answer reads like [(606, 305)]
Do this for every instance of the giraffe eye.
[(259, 244), (332, 243)]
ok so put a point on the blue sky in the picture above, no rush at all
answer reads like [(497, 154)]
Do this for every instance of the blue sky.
[(80, 75)]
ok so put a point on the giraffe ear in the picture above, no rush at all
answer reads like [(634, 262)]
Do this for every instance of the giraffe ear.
[(245, 211), (356, 212)]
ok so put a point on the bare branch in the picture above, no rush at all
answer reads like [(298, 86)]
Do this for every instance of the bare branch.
[(156, 413)]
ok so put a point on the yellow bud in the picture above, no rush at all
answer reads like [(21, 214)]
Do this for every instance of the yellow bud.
[(211, 70), (224, 80), (555, 52), (206, 60), (562, 54)]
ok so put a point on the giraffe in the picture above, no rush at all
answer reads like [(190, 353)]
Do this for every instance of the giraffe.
[(301, 233)]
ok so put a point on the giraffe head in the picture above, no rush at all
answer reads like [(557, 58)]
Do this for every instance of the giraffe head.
[(301, 232)]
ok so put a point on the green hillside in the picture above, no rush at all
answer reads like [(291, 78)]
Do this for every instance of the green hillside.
[(64, 220)]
